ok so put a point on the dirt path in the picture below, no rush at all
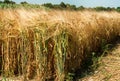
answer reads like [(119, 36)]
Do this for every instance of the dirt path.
[(109, 69)]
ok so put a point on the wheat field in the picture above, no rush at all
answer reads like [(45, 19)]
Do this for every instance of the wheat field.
[(47, 45)]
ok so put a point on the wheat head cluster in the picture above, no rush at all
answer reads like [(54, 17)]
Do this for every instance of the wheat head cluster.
[(45, 45)]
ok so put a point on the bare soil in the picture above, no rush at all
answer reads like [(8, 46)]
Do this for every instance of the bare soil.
[(109, 69)]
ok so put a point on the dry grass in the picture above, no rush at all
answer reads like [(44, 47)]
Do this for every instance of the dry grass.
[(109, 69), (49, 44)]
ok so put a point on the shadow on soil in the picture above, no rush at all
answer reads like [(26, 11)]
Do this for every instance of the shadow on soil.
[(93, 62)]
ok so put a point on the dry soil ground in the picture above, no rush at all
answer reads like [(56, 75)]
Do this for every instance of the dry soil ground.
[(109, 69)]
